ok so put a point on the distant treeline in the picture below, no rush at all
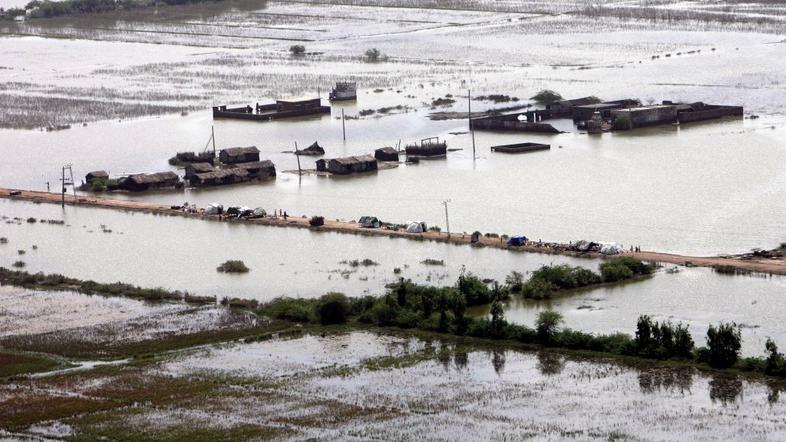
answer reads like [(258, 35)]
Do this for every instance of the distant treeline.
[(47, 8)]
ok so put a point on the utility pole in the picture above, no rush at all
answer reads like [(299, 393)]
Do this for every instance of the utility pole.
[(469, 119), (213, 137), (65, 182), (343, 124), (447, 221)]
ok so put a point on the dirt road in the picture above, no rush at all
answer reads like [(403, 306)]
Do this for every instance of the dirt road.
[(773, 266)]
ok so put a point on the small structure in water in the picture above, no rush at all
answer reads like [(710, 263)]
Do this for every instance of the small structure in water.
[(386, 154), (150, 181), (182, 158), (197, 168), (344, 91), (348, 165), (233, 174), (314, 150), (280, 109), (97, 175), (514, 122), (428, 148), (520, 147), (237, 155)]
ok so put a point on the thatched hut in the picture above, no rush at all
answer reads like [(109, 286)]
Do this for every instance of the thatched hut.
[(219, 177), (258, 169), (99, 175), (195, 168), (149, 181), (386, 154), (428, 147), (348, 165), (237, 155)]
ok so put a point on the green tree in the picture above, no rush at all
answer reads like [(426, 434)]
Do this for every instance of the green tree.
[(333, 308), (724, 343), (497, 319), (547, 325), (373, 54), (297, 50)]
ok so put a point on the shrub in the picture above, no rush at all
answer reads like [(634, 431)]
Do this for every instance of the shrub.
[(547, 326), (407, 319), (473, 289), (623, 123), (497, 319), (515, 281), (775, 364), (292, 309), (19, 264), (333, 308), (613, 272), (546, 96), (373, 54), (537, 289), (297, 50), (433, 262), (664, 340), (383, 314), (233, 266), (724, 343)]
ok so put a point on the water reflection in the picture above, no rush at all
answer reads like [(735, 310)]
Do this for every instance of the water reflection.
[(725, 388), (460, 358), (550, 364), (659, 379), (498, 360)]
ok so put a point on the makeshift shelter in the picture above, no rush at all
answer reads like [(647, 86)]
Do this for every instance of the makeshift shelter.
[(214, 209), (148, 181), (237, 155), (428, 147), (611, 249), (386, 154), (369, 222), (517, 241), (316, 221), (219, 177), (416, 227), (475, 237), (314, 150)]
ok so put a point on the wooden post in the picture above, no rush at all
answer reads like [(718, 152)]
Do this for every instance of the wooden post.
[(213, 137), (447, 221), (62, 189), (343, 124), (299, 172)]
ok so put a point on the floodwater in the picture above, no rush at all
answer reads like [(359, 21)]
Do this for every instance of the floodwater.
[(455, 390), (297, 262)]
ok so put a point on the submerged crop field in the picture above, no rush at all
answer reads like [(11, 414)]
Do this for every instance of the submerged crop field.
[(370, 264)]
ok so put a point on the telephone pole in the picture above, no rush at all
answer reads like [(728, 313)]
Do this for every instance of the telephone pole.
[(65, 182), (447, 221), (469, 119), (343, 125)]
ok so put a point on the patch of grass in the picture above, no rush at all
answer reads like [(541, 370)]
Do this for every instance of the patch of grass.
[(433, 262), (12, 364)]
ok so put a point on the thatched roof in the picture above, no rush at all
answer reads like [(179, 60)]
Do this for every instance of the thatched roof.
[(238, 151), (154, 178), (97, 174), (255, 165), (387, 150), (355, 159), (200, 167), (220, 174)]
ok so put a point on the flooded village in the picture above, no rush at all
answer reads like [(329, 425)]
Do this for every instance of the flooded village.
[(392, 220)]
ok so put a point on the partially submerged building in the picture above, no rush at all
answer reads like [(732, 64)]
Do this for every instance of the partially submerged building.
[(232, 174), (386, 154), (643, 116), (428, 147), (314, 150), (197, 168), (514, 122), (237, 155), (348, 165), (258, 170), (97, 175), (344, 91), (280, 109), (564, 108), (149, 181)]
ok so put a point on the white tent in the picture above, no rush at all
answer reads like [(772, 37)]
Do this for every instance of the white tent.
[(415, 228)]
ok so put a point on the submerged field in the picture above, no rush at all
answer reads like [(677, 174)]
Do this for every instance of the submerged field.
[(360, 385)]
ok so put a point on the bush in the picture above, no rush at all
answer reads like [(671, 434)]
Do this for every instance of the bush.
[(623, 123), (373, 54), (19, 264), (547, 326), (473, 289), (664, 340), (333, 308), (546, 96), (233, 266), (612, 272), (724, 343), (537, 289), (497, 319), (297, 50), (775, 364), (292, 309), (515, 281)]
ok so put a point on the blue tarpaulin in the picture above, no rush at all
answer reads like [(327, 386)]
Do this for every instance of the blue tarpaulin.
[(517, 240)]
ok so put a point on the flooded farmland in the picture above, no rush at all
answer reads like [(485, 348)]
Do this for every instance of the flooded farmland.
[(127, 323)]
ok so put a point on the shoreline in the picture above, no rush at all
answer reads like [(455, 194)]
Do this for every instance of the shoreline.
[(764, 266)]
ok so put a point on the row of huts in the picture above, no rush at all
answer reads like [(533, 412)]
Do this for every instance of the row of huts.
[(236, 165)]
